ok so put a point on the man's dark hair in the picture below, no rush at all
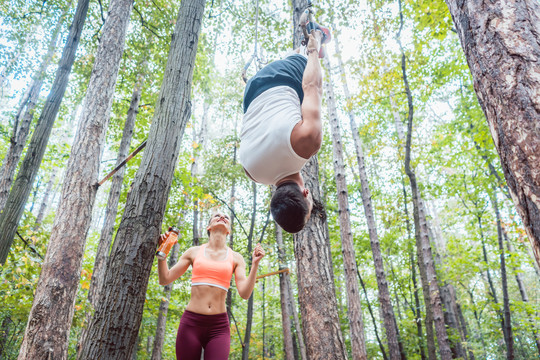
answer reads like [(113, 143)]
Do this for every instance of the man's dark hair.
[(289, 207)]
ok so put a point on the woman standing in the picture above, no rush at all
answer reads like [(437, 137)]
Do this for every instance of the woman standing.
[(204, 324)]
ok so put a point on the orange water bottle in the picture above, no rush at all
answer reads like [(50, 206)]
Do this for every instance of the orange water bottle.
[(167, 245)]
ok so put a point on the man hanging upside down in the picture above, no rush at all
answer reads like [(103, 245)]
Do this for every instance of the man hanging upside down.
[(282, 128)]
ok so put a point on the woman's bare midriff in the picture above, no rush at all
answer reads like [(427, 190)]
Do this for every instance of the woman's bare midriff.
[(207, 300)]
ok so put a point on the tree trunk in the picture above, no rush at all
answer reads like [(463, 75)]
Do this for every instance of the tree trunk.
[(450, 310), (491, 290), (25, 115), (164, 308), (284, 298), (4, 333), (104, 245), (12, 212), (501, 44), (249, 316), (316, 294), (232, 201), (509, 338), (198, 144), (430, 337), (115, 324), (50, 321), (392, 332), (317, 297), (102, 254), (422, 240), (354, 306), (370, 310), (453, 316), (45, 202), (296, 321), (523, 293)]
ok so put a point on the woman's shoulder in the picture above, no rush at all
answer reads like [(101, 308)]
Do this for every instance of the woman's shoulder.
[(192, 251), (237, 256)]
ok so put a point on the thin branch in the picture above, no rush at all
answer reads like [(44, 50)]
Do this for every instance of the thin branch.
[(144, 23), (31, 247), (156, 5), (265, 225), (102, 22), (102, 17)]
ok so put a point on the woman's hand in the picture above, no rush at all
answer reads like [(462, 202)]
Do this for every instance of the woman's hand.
[(258, 254), (164, 237)]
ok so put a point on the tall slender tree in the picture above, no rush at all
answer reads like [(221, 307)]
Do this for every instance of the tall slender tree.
[(501, 44), (430, 337), (45, 201), (354, 306), (115, 325), (25, 114), (317, 297), (422, 240), (249, 315), (507, 323), (523, 293), (389, 318), (105, 240), (49, 322), (285, 301), (12, 212)]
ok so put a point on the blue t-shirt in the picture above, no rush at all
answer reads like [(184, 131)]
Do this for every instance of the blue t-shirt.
[(288, 72)]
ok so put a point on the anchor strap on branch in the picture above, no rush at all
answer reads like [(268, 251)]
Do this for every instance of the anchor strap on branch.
[(119, 166), (285, 270)]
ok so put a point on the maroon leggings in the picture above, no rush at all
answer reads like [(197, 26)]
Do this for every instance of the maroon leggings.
[(209, 332)]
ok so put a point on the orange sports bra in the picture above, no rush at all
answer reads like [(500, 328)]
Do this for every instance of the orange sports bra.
[(206, 271)]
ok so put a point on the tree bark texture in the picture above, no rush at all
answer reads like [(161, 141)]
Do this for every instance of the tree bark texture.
[(105, 240), (501, 41), (25, 115), (12, 212), (317, 296), (52, 310), (389, 320), (354, 306), (284, 298), (425, 255), (114, 327), (104, 245), (163, 309)]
